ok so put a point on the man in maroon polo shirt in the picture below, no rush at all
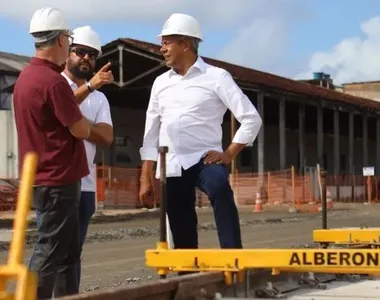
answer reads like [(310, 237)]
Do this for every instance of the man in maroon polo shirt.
[(49, 122)]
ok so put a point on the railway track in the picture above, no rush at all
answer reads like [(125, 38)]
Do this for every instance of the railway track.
[(254, 284), (257, 285)]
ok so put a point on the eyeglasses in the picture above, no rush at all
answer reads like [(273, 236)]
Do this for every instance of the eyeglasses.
[(69, 37), (81, 52)]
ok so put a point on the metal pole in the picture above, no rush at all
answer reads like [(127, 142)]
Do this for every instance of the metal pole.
[(324, 201), (163, 218), (163, 151), (24, 199)]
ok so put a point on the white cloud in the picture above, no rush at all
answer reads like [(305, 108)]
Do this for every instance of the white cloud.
[(261, 31), (262, 42), (88, 10), (352, 59), (257, 45), (213, 12)]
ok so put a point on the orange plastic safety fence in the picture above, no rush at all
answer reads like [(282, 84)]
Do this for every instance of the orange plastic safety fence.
[(275, 187), (354, 188), (119, 188), (8, 196)]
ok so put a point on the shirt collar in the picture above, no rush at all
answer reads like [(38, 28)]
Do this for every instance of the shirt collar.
[(71, 83), (47, 63), (199, 65)]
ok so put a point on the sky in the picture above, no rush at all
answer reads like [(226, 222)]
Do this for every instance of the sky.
[(291, 38)]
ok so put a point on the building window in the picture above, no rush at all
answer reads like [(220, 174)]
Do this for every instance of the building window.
[(123, 158), (246, 157), (120, 141), (325, 161), (342, 163)]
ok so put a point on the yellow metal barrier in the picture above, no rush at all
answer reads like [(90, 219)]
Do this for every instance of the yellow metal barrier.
[(347, 235), (358, 261), (235, 261), (26, 281)]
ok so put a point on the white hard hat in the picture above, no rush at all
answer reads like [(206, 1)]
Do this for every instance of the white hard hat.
[(48, 19), (181, 24), (86, 36)]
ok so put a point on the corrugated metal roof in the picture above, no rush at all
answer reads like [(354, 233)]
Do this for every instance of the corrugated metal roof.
[(6, 68), (264, 79), (10, 62), (361, 82)]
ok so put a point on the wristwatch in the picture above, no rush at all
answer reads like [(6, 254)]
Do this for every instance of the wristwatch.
[(89, 86)]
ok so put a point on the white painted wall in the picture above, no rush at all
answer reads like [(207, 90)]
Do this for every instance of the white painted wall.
[(8, 145)]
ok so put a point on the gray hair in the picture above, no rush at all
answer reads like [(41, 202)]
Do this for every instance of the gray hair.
[(195, 45), (194, 42), (45, 38)]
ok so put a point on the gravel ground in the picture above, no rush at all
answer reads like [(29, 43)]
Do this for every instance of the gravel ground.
[(114, 252)]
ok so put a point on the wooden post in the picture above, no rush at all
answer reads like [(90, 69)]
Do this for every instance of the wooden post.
[(233, 162), (154, 191), (233, 131), (319, 181), (268, 186), (293, 186), (369, 189)]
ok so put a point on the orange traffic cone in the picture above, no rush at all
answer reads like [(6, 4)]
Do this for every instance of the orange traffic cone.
[(329, 202), (259, 203)]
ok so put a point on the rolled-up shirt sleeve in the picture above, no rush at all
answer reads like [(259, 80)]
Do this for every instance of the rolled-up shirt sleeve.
[(104, 113), (149, 149), (241, 107)]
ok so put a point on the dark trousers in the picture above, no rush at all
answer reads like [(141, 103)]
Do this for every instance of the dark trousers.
[(57, 250), (212, 179), (86, 211)]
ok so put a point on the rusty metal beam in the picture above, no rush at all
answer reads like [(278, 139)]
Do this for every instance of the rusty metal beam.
[(142, 75), (104, 54), (205, 286), (164, 289)]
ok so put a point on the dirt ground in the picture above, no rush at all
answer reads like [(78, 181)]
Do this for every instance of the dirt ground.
[(114, 253)]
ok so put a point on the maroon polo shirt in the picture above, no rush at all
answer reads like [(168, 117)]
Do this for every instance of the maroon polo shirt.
[(45, 107)]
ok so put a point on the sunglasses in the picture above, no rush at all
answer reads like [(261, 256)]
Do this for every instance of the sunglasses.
[(80, 52)]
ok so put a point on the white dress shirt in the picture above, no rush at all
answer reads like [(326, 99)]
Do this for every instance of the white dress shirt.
[(186, 113), (96, 109)]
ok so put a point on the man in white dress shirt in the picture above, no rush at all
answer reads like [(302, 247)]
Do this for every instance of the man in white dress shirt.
[(80, 66), (185, 113)]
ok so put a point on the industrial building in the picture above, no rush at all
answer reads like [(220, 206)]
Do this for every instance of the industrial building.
[(366, 89), (10, 66), (305, 123)]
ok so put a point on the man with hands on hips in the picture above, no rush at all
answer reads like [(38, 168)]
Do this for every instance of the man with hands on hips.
[(185, 113)]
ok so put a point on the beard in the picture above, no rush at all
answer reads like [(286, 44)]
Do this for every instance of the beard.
[(80, 72)]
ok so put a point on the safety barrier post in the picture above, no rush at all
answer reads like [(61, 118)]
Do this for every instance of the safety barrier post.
[(163, 244), (269, 192), (294, 205), (323, 199), (22, 210), (26, 281)]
